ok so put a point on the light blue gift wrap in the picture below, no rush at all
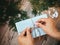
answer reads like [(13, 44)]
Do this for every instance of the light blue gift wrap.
[(21, 25)]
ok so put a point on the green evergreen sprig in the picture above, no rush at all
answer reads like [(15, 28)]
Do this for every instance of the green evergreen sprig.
[(40, 5), (9, 12)]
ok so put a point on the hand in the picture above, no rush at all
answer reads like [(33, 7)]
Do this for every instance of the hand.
[(48, 25), (26, 39)]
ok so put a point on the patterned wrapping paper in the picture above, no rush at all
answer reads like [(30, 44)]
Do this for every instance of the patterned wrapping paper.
[(36, 32)]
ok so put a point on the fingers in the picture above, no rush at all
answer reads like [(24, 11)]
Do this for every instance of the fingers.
[(23, 33), (39, 25), (28, 32), (43, 20)]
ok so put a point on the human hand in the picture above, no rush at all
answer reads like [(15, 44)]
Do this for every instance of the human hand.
[(48, 25), (25, 37)]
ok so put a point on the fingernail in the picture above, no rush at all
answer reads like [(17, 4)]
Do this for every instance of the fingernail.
[(28, 27), (36, 23)]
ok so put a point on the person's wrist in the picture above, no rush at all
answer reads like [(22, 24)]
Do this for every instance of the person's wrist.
[(53, 32), (56, 34), (32, 43)]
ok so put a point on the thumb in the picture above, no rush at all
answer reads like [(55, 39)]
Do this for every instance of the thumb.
[(39, 25), (22, 34), (28, 32)]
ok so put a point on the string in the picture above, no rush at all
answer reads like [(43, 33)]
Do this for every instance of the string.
[(35, 27)]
